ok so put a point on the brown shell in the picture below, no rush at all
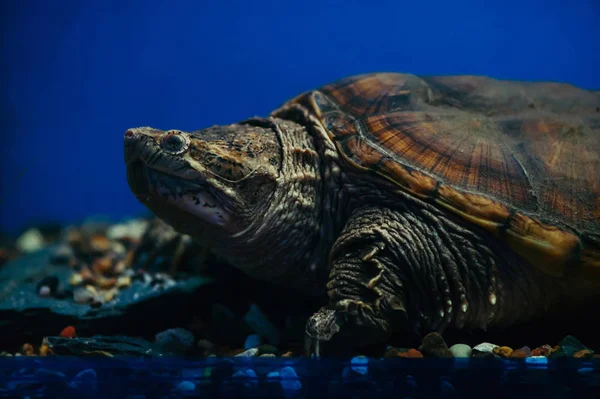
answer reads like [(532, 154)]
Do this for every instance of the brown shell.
[(521, 160)]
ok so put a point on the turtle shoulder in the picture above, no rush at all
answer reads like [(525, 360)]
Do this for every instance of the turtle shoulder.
[(521, 160)]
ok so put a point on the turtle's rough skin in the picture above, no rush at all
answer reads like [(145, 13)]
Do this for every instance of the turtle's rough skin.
[(416, 203)]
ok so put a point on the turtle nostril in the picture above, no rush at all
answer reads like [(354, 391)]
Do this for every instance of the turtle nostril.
[(129, 133)]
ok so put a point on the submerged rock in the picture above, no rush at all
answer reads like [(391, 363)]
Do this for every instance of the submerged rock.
[(434, 345), (176, 341), (103, 346), (567, 347), (139, 307)]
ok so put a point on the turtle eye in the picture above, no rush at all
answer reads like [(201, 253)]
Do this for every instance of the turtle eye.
[(175, 142)]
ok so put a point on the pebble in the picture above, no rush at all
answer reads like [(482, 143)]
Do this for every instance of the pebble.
[(176, 341), (543, 350), (106, 283), (110, 294), (289, 380), (48, 286), (103, 265), (137, 228), (461, 350), (252, 341), (503, 351), (68, 332), (583, 353), (410, 354), (83, 296), (485, 347), (567, 347), (186, 386), (27, 350), (248, 353), (99, 244), (434, 345), (359, 364), (521, 353), (30, 241), (75, 279), (44, 291), (537, 360), (123, 281), (117, 231)]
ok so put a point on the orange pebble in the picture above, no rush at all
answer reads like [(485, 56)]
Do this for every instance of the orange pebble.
[(27, 350), (410, 354), (44, 350), (68, 332)]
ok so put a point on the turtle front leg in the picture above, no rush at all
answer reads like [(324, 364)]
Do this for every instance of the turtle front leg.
[(367, 299)]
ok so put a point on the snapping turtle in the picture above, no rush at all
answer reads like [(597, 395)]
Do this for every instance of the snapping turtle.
[(416, 203)]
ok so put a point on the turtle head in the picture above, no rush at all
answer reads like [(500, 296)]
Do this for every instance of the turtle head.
[(214, 181)]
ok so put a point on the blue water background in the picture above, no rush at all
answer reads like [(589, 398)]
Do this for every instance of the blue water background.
[(77, 74)]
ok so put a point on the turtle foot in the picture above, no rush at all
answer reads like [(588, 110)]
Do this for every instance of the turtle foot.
[(320, 328)]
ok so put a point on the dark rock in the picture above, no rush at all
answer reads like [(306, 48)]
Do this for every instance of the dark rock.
[(102, 346), (23, 310), (176, 341), (434, 345), (567, 347), (521, 353)]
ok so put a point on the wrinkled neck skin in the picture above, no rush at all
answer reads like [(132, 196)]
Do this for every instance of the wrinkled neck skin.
[(288, 241)]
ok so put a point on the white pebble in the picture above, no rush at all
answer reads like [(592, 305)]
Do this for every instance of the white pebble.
[(485, 347), (44, 291), (30, 241), (461, 350), (248, 353)]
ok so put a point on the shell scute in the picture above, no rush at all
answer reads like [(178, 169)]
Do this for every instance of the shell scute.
[(521, 160)]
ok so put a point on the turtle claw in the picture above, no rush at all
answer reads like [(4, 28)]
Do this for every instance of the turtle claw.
[(321, 327), (312, 347)]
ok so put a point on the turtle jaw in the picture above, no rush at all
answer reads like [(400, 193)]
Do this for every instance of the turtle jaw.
[(190, 207)]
